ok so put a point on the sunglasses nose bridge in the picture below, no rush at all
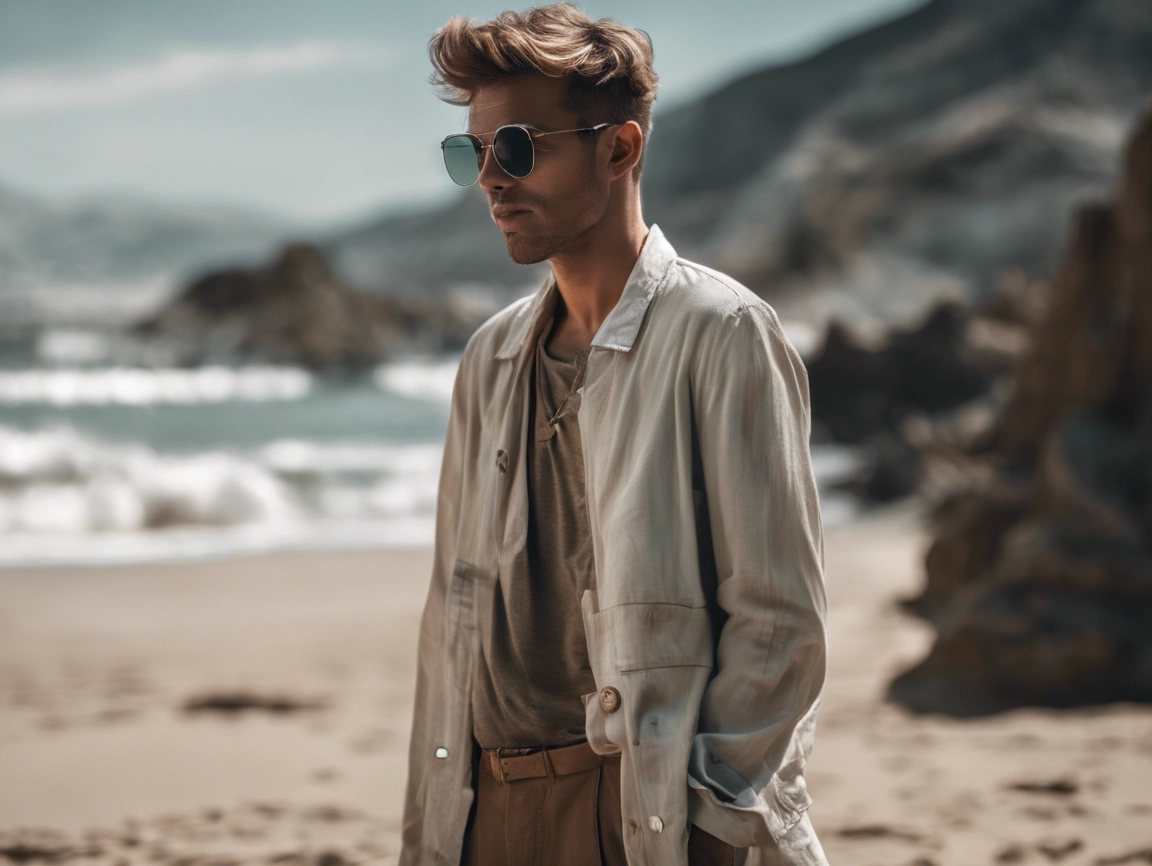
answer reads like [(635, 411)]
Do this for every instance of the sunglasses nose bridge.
[(482, 160)]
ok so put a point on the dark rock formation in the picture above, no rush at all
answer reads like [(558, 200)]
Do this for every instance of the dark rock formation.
[(865, 396), (857, 391), (1040, 583), (296, 310)]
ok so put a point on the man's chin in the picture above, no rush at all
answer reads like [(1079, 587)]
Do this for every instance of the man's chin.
[(523, 252)]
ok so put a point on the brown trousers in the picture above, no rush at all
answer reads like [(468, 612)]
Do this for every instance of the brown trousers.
[(572, 819)]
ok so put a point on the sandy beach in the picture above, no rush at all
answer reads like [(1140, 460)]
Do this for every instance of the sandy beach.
[(257, 709)]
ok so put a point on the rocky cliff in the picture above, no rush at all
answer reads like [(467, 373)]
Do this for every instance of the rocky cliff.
[(1040, 580)]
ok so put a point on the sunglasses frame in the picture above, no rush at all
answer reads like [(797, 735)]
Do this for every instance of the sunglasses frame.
[(533, 134)]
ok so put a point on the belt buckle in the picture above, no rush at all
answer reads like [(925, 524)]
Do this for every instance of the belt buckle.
[(496, 757)]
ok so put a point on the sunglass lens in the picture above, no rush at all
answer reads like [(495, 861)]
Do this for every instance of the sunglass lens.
[(512, 146), (460, 159)]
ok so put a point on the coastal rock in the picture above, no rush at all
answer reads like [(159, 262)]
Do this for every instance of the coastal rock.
[(857, 391), (297, 310), (867, 396), (1040, 585)]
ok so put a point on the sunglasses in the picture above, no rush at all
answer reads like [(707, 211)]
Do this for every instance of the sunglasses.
[(512, 145)]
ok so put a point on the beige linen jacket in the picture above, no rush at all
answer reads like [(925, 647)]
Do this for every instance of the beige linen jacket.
[(709, 612)]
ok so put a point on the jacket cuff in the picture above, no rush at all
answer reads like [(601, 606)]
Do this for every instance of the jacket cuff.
[(725, 804), (795, 846)]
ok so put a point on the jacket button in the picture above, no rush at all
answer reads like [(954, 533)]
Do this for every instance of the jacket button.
[(441, 753), (502, 460), (609, 699), (655, 823)]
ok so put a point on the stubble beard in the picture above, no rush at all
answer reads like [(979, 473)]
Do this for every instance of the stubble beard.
[(577, 214)]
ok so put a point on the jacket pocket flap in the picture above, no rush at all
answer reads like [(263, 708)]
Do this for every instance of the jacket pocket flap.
[(659, 635)]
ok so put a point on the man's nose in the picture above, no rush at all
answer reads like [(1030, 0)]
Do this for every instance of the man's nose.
[(492, 176)]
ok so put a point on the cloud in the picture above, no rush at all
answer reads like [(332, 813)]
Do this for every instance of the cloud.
[(36, 89)]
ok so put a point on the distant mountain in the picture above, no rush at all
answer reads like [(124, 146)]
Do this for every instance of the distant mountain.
[(111, 256), (917, 159)]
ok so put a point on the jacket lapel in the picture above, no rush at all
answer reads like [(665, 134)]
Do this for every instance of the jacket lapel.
[(619, 330)]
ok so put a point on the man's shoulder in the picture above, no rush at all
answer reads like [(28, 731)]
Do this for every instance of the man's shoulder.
[(710, 298)]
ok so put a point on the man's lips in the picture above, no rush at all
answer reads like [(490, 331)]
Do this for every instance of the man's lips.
[(507, 211)]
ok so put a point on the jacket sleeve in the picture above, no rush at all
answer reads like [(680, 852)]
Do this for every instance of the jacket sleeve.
[(431, 642), (757, 716)]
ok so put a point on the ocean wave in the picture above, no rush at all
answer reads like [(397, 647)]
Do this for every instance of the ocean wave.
[(73, 384), (422, 378), (75, 345), (59, 483), (58, 480), (299, 456), (142, 386)]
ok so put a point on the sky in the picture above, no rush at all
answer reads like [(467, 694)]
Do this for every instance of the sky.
[(315, 111)]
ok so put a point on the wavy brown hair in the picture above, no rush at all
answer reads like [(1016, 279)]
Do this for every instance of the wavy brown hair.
[(609, 65)]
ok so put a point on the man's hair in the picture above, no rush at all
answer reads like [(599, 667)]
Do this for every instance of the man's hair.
[(609, 65)]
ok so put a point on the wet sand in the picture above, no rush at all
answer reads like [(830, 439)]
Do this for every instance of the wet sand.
[(257, 709)]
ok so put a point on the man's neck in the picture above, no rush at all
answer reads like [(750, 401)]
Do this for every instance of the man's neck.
[(590, 281)]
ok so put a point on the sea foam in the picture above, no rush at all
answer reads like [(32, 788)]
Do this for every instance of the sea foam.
[(137, 386), (68, 497)]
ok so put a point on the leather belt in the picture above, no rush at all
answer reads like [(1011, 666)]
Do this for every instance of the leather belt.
[(509, 765)]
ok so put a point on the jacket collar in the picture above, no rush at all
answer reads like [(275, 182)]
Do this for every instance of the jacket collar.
[(618, 331)]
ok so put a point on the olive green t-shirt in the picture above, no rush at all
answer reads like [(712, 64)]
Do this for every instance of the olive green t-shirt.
[(529, 681)]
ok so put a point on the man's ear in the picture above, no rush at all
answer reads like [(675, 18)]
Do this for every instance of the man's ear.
[(628, 145)]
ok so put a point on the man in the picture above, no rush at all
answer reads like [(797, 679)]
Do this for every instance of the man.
[(623, 647)]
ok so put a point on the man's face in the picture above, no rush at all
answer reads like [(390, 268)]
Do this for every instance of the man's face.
[(565, 194)]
